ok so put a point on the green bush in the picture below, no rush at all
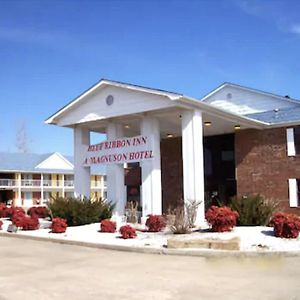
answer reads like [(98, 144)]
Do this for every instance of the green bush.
[(253, 210), (79, 211)]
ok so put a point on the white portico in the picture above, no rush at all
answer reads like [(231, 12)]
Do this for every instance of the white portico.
[(121, 111)]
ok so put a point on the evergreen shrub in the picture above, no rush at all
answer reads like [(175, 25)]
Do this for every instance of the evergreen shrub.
[(253, 210), (77, 211)]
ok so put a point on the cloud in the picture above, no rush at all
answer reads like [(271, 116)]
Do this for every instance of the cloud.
[(250, 7), (54, 40), (27, 35), (295, 29), (277, 13)]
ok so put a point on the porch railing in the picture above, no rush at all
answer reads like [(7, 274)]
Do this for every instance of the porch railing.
[(8, 182), (5, 182)]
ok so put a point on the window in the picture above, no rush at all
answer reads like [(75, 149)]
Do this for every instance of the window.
[(298, 192), (294, 192), (293, 141), (297, 139)]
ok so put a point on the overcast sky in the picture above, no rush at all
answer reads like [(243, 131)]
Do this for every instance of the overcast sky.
[(51, 51)]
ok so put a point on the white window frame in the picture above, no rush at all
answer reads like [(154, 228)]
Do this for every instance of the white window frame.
[(293, 192), (290, 138)]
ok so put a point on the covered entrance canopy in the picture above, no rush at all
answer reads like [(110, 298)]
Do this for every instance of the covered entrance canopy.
[(124, 110)]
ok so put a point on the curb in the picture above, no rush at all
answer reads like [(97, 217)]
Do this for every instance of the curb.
[(148, 250)]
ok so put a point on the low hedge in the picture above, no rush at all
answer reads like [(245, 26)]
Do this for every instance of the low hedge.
[(38, 211), (77, 211)]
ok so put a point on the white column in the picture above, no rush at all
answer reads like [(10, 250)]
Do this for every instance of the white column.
[(82, 174), (19, 203), (193, 163), (151, 170), (115, 175), (63, 185), (42, 189)]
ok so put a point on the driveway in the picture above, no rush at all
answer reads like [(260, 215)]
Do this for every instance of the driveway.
[(42, 270)]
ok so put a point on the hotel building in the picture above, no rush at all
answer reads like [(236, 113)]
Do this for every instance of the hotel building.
[(28, 179)]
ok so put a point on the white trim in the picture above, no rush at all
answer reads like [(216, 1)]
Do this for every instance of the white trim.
[(293, 192), (207, 108), (249, 90), (39, 166), (291, 149), (171, 96), (213, 92), (182, 101)]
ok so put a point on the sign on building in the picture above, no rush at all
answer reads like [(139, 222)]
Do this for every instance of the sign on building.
[(123, 150)]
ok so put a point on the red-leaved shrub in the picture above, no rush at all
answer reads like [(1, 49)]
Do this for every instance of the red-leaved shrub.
[(221, 218), (108, 226), (1, 223), (127, 232), (155, 223), (59, 225), (15, 210), (30, 223), (8, 212), (285, 225), (17, 218), (2, 210), (38, 211)]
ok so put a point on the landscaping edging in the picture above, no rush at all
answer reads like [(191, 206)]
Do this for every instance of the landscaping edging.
[(162, 251)]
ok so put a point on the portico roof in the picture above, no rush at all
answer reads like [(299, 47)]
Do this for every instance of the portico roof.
[(105, 82), (133, 101), (160, 102)]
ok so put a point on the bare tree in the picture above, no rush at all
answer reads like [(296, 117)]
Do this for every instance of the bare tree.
[(22, 144)]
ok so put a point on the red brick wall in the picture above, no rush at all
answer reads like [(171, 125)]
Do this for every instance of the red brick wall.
[(262, 165)]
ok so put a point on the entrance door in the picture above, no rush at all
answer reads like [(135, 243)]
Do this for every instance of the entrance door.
[(219, 169), (133, 192)]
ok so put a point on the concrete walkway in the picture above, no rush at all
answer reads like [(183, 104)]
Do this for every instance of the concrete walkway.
[(38, 270)]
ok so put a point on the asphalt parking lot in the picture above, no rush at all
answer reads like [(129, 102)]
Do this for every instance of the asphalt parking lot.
[(42, 270)]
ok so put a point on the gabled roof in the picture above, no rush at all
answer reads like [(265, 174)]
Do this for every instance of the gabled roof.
[(55, 161), (30, 162), (255, 120), (21, 161), (276, 117), (225, 84), (103, 82)]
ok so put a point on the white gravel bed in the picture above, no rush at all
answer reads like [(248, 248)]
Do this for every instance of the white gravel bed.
[(258, 238)]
